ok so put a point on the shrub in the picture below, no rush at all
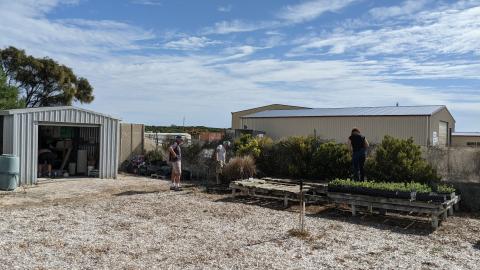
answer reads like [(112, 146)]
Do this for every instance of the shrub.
[(191, 153), (247, 146), (397, 160), (295, 155), (239, 168), (154, 156), (331, 160)]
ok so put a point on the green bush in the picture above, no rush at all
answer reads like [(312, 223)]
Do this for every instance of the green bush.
[(154, 156), (397, 160), (294, 157), (330, 161), (247, 146), (304, 157)]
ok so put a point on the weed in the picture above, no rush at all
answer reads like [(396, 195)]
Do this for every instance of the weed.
[(302, 234)]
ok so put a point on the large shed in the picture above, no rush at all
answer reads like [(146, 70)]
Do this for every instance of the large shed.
[(427, 125), (237, 116), (80, 137)]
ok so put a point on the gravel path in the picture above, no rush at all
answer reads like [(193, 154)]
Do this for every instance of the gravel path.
[(136, 223)]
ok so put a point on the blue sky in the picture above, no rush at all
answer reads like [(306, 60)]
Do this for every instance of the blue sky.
[(157, 61)]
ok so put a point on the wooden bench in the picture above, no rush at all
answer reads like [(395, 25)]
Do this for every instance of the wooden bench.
[(435, 210)]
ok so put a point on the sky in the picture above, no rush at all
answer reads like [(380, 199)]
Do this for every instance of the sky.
[(162, 61)]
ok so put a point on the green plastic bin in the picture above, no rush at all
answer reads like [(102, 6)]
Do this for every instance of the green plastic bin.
[(9, 170)]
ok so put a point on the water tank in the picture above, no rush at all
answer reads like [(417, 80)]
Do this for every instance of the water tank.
[(9, 170)]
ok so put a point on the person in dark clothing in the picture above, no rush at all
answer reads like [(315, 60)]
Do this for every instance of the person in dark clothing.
[(358, 146)]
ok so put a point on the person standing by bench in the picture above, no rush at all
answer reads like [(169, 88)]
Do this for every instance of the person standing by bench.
[(358, 145), (175, 158)]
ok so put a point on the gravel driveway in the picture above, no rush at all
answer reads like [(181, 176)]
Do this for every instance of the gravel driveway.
[(137, 223)]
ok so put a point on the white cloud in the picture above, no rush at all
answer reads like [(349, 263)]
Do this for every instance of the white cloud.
[(32, 31), (236, 26), (147, 2), (191, 43), (407, 8), (225, 8), (32, 8), (288, 15), (449, 31), (311, 9)]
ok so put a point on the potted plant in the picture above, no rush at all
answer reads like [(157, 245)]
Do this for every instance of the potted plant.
[(446, 190)]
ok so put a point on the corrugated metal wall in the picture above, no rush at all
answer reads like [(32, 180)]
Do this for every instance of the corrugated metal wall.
[(339, 128), (21, 137)]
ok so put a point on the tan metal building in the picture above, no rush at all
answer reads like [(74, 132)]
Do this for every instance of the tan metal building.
[(427, 125), (236, 116), (471, 139)]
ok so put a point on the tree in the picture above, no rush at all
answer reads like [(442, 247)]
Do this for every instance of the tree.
[(8, 94), (43, 81)]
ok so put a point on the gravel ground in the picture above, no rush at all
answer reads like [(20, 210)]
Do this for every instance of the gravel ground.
[(137, 223)]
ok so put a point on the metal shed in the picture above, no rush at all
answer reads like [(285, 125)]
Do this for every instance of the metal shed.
[(20, 136), (427, 125)]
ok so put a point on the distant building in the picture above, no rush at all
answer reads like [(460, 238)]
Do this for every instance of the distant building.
[(427, 125), (209, 136), (471, 139), (236, 116), (157, 139)]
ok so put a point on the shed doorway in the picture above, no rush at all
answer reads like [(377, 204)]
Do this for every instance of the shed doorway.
[(443, 133), (68, 151)]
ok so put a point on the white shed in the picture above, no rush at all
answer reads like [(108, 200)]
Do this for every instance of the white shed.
[(80, 137)]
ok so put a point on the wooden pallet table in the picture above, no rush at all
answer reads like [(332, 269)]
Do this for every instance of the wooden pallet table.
[(278, 189), (436, 211)]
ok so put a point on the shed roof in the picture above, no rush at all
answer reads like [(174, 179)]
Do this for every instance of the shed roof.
[(352, 111), (54, 108), (466, 134)]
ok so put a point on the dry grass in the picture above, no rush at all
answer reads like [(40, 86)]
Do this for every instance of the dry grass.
[(239, 168)]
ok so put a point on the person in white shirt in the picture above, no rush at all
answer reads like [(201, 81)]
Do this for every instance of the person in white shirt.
[(221, 158)]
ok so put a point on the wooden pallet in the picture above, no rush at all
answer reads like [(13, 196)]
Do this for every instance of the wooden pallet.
[(277, 189), (436, 211)]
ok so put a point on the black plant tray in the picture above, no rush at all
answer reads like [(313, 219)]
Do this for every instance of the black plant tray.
[(431, 197), (371, 192)]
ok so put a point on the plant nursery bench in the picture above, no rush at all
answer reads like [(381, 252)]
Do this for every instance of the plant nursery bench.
[(277, 189), (435, 210)]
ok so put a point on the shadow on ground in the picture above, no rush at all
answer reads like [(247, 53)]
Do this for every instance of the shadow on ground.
[(395, 223), (413, 225), (135, 192), (477, 245), (271, 204)]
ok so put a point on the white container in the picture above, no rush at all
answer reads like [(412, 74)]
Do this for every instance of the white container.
[(89, 169)]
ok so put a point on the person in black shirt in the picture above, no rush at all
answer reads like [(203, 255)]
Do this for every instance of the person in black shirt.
[(358, 146)]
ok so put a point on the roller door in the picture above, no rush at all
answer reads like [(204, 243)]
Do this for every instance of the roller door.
[(443, 133)]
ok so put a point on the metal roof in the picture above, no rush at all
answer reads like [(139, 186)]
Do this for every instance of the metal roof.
[(352, 111), (54, 108), (470, 134)]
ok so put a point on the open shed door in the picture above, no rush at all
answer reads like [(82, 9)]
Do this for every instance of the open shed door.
[(443, 133)]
